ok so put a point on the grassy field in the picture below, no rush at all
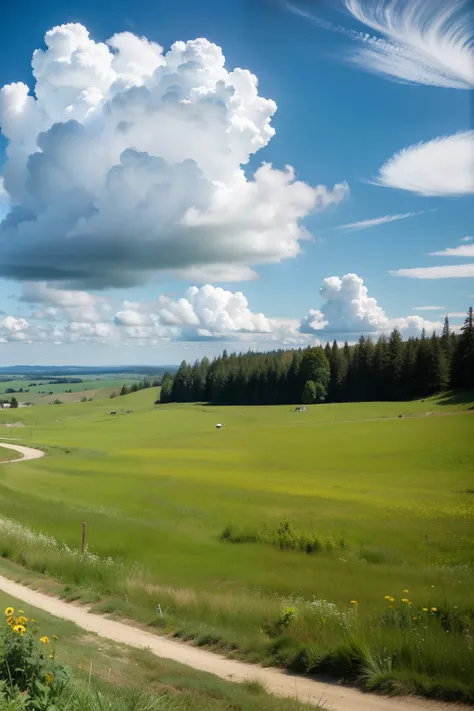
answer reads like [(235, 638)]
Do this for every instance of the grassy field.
[(117, 671), (7, 455), (386, 502), (95, 386)]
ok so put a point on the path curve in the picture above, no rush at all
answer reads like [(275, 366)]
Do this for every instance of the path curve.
[(280, 683), (26, 452)]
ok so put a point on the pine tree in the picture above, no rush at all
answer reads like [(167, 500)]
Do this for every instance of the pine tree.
[(463, 358)]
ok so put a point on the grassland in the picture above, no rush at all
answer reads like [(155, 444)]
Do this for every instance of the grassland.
[(92, 386), (7, 455), (117, 671), (159, 486)]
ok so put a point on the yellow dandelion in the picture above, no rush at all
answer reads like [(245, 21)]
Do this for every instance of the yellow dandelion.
[(21, 620), (405, 591), (432, 586), (434, 609), (354, 602), (9, 611), (44, 640), (387, 597), (425, 609), (405, 599), (49, 678), (19, 629)]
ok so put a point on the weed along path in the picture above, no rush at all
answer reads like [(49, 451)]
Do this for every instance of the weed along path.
[(26, 452), (331, 696)]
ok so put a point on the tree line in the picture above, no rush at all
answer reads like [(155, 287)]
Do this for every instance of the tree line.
[(135, 387), (388, 369)]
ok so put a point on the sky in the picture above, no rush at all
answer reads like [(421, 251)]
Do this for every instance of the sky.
[(179, 178)]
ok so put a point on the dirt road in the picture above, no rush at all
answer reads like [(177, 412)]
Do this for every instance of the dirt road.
[(27, 452), (331, 696)]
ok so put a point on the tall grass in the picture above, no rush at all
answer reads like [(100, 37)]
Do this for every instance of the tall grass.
[(402, 646)]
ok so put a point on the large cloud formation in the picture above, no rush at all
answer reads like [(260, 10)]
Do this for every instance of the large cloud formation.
[(205, 314), (128, 160), (349, 310)]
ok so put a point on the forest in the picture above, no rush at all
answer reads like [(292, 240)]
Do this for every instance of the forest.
[(387, 369)]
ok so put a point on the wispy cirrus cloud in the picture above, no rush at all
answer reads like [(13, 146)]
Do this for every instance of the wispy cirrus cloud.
[(441, 167), (456, 271), (464, 250), (416, 41), (428, 308), (375, 222)]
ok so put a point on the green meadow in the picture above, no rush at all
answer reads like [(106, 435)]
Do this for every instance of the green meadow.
[(383, 503)]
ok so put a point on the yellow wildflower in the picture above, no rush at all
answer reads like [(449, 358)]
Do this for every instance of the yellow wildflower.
[(434, 609), (405, 591), (21, 612), (21, 620), (9, 611), (10, 621), (425, 609), (432, 586), (354, 602), (405, 599), (44, 640), (49, 678), (19, 629)]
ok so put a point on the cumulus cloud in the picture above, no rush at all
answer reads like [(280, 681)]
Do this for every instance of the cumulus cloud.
[(128, 160), (464, 250), (443, 166), (467, 239), (348, 310), (375, 222), (456, 271), (416, 41), (60, 304)]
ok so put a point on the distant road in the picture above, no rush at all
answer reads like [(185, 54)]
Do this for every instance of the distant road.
[(26, 452)]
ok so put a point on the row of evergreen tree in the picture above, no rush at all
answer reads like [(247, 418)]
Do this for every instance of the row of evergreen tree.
[(389, 369), (135, 387)]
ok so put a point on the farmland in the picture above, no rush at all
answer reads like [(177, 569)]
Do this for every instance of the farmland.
[(387, 499), (41, 391)]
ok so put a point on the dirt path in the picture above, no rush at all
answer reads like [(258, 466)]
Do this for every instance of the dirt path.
[(27, 452), (331, 696)]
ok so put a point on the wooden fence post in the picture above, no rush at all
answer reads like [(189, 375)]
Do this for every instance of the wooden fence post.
[(84, 537)]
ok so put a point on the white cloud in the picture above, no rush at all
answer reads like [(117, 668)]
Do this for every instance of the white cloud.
[(63, 304), (128, 161), (456, 271), (348, 309), (457, 314), (464, 250), (467, 239), (364, 224), (443, 166), (428, 308), (417, 41)]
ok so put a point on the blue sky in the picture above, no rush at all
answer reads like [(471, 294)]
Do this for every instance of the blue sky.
[(338, 122)]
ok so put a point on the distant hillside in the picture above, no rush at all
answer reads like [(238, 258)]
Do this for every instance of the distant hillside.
[(63, 370)]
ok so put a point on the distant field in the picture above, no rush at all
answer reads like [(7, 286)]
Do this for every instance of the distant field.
[(101, 385), (159, 486)]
